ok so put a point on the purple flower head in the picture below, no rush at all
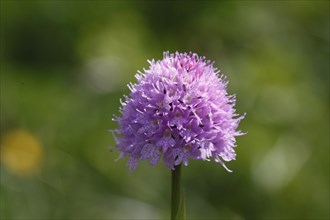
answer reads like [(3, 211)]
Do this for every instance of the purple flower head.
[(178, 110)]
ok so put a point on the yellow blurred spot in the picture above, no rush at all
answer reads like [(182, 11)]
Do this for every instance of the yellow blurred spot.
[(21, 152)]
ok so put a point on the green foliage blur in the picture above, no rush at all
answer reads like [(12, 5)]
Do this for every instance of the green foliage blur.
[(65, 65)]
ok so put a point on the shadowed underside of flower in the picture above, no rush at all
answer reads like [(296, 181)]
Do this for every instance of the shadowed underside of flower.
[(178, 110)]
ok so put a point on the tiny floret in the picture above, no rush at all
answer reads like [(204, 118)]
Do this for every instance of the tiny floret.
[(178, 110)]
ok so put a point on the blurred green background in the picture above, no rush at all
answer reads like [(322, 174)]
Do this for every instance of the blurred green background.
[(65, 65)]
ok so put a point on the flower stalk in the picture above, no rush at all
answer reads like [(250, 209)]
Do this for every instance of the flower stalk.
[(177, 202)]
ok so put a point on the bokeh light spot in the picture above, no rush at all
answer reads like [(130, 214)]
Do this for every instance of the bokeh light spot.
[(21, 152)]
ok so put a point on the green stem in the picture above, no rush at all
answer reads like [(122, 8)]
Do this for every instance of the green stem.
[(177, 197)]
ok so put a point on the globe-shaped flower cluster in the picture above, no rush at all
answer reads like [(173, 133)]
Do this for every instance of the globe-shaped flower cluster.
[(178, 110)]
